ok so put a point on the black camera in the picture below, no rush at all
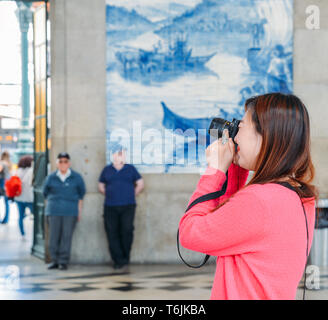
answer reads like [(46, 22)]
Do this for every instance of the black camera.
[(218, 125)]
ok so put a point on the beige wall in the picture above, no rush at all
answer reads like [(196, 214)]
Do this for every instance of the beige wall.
[(79, 126)]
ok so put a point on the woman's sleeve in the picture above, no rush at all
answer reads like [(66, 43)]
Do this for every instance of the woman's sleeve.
[(237, 178), (234, 228)]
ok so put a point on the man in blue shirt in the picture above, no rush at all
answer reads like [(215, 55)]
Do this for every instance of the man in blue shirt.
[(64, 190), (120, 183)]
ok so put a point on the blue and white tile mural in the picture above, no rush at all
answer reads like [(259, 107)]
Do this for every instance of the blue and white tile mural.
[(172, 65)]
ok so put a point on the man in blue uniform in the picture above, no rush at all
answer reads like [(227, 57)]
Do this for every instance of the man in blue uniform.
[(64, 190), (120, 183)]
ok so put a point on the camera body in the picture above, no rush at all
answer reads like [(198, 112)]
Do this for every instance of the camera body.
[(218, 125)]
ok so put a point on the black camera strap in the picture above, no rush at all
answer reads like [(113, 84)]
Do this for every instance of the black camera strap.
[(206, 197), (287, 185)]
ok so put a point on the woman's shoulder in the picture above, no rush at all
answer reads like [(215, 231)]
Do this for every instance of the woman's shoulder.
[(271, 192), (251, 192), (259, 188)]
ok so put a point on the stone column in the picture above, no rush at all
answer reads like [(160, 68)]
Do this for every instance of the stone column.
[(78, 110), (24, 16)]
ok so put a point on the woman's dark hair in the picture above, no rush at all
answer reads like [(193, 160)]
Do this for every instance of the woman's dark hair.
[(283, 122), (25, 162)]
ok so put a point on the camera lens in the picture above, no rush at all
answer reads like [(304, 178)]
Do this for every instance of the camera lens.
[(218, 125)]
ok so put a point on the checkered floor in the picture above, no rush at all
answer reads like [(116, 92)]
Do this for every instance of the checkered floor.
[(145, 282), (25, 277), (100, 282)]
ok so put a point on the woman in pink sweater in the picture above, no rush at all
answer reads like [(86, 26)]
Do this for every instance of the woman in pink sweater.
[(258, 231)]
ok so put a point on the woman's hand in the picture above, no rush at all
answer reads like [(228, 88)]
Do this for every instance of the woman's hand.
[(220, 156)]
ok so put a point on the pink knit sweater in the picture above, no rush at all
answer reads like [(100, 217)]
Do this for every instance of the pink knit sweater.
[(258, 236)]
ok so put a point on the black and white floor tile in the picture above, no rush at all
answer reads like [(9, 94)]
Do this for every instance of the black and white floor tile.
[(99, 282)]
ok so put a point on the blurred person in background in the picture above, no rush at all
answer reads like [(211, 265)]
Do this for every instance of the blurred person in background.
[(64, 190), (25, 199), (5, 172), (120, 183)]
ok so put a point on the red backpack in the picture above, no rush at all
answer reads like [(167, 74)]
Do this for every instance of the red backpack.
[(13, 187)]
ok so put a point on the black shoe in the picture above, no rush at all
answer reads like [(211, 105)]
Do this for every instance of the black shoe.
[(63, 266), (52, 265), (125, 268), (121, 267)]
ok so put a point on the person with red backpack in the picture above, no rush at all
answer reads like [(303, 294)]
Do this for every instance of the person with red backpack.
[(13, 187), (22, 189), (5, 167)]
